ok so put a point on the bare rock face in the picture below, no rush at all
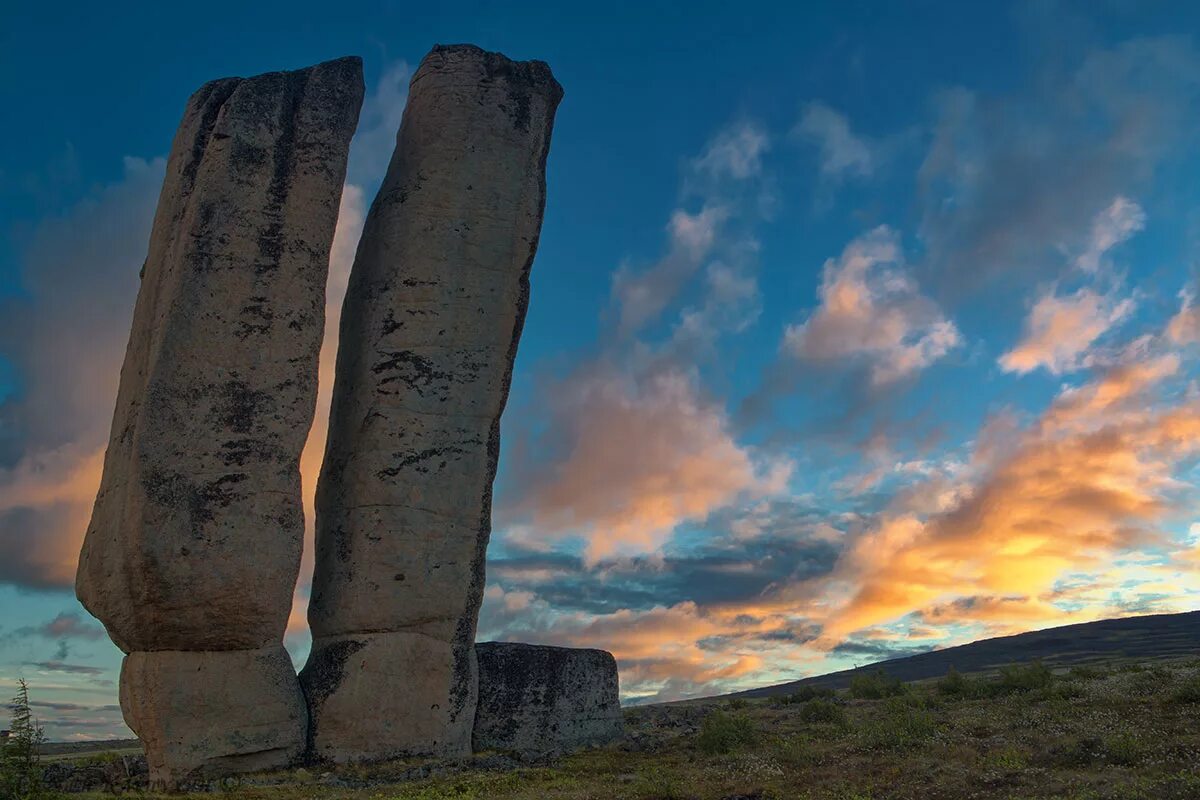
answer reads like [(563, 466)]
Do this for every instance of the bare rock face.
[(429, 331), (195, 539), (538, 701), (214, 713)]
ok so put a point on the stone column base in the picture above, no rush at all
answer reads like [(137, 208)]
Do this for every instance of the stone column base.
[(374, 696), (208, 714)]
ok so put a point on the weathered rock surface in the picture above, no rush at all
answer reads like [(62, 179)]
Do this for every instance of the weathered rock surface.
[(214, 713), (538, 700), (364, 689), (429, 331), (195, 539)]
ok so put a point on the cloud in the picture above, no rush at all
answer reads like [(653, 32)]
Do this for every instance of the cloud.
[(730, 165), (66, 337), (1115, 224), (1184, 327), (642, 296), (1091, 478), (67, 625), (1060, 329), (59, 666), (734, 153), (842, 153), (643, 456), (1010, 180), (870, 309)]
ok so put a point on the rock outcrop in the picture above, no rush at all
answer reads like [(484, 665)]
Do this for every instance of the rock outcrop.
[(429, 331), (539, 701), (194, 545)]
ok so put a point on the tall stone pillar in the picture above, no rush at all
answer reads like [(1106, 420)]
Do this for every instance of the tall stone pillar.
[(194, 545), (429, 330)]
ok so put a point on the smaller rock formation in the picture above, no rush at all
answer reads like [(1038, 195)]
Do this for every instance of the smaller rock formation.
[(538, 701)]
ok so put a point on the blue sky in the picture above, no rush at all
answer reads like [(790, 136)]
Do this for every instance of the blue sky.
[(856, 329)]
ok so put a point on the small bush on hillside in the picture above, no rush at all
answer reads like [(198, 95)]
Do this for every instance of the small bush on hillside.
[(822, 711), (722, 732), (1086, 673), (875, 686), (955, 684), (1123, 749), (796, 751), (806, 693), (899, 725), (1018, 678), (1071, 752), (1008, 759), (737, 703), (1188, 691)]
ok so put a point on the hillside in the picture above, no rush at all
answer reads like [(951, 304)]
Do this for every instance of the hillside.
[(1133, 639)]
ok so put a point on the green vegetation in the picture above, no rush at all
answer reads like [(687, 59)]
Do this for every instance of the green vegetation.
[(898, 725), (724, 733), (1023, 678), (875, 686), (823, 711), (1019, 733), (1188, 691), (806, 693), (20, 767), (955, 684)]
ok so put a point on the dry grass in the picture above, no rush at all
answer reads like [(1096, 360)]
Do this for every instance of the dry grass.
[(1119, 734)]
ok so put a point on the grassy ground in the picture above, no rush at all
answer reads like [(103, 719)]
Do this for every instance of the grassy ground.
[(1090, 734)]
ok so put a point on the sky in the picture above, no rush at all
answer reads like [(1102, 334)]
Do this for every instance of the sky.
[(856, 329)]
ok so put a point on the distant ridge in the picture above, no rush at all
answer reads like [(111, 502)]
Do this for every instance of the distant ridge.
[(1148, 638)]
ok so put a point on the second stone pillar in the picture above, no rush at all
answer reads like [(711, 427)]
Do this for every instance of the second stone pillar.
[(429, 331)]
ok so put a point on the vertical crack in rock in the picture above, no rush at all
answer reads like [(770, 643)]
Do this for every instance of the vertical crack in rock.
[(429, 331), (194, 544)]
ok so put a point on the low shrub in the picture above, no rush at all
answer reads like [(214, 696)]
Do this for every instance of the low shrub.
[(1123, 749), (1009, 759), (1086, 673), (1018, 678), (806, 693), (1188, 691), (823, 711), (795, 751), (1071, 752), (955, 684), (875, 686), (899, 725), (722, 732)]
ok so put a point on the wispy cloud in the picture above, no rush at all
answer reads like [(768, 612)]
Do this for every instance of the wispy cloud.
[(66, 625), (841, 152), (870, 309), (1011, 179), (1061, 328)]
